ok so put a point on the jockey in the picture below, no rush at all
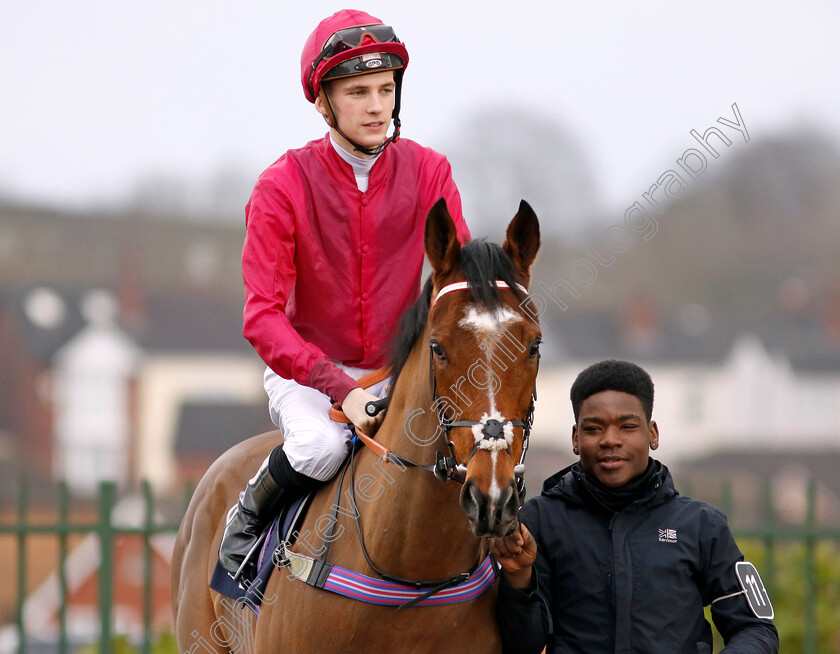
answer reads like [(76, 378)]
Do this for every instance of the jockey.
[(332, 257)]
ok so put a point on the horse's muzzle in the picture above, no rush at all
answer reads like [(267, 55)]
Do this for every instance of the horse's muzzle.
[(490, 517)]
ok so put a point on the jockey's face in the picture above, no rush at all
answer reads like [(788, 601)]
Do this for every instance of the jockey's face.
[(362, 106)]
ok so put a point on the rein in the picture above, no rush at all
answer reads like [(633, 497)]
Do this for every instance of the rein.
[(443, 466), (323, 574)]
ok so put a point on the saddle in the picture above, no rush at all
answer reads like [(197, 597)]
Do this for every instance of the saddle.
[(285, 528), (388, 589), (288, 519)]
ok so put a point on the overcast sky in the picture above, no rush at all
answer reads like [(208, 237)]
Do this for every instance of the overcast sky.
[(96, 94)]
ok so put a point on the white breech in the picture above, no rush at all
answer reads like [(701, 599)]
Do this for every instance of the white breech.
[(314, 444)]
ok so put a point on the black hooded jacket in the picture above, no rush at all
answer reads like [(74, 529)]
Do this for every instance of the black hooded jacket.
[(631, 582)]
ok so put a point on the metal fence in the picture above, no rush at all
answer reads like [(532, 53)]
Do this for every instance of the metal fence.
[(106, 531), (799, 561), (769, 539)]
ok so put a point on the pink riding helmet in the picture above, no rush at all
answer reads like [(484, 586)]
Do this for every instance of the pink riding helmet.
[(338, 46)]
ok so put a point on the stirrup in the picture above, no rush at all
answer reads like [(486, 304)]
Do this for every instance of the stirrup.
[(248, 560)]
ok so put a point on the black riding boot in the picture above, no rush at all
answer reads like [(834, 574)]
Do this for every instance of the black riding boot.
[(275, 483)]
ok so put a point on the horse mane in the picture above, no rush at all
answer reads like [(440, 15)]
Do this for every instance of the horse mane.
[(482, 263)]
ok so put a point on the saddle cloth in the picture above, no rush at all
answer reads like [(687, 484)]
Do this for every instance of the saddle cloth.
[(250, 592), (285, 524), (283, 530)]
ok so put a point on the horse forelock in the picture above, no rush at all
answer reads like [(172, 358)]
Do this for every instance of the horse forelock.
[(482, 265)]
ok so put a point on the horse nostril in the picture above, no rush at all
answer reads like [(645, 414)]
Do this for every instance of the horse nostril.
[(473, 501), (469, 494)]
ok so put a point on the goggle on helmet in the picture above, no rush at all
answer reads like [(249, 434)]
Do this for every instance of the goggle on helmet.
[(345, 54)]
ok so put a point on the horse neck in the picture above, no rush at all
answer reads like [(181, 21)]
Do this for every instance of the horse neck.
[(418, 518), (411, 420)]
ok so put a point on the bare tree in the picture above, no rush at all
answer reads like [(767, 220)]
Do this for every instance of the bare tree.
[(505, 154)]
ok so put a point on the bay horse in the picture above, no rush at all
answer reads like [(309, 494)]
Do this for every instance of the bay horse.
[(463, 377)]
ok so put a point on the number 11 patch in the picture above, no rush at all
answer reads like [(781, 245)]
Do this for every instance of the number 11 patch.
[(754, 590)]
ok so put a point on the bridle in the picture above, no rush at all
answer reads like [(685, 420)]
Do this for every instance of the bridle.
[(491, 430), (446, 467)]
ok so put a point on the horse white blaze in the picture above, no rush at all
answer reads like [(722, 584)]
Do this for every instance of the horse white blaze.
[(482, 322), (486, 320), (495, 491)]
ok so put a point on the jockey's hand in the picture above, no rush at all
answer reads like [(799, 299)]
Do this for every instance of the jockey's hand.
[(354, 408), (516, 554)]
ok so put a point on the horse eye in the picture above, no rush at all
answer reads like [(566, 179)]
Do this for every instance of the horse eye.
[(535, 349), (437, 350)]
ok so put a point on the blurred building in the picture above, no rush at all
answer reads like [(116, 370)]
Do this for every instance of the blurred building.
[(719, 384), (106, 367), (122, 358), (746, 402)]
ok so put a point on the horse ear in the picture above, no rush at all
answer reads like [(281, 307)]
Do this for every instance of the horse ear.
[(523, 240), (441, 239)]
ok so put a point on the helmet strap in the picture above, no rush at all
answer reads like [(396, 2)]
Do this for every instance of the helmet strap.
[(332, 121)]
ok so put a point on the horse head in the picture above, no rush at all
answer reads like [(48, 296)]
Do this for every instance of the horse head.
[(484, 350)]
